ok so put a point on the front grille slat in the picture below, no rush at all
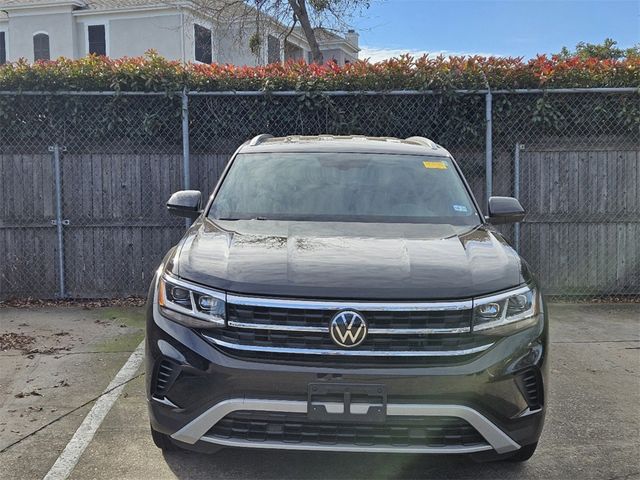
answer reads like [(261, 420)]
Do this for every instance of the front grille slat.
[(380, 343), (297, 428), (277, 330)]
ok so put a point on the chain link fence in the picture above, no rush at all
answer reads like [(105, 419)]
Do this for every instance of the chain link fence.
[(84, 176)]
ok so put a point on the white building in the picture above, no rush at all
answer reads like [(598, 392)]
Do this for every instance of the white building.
[(48, 29)]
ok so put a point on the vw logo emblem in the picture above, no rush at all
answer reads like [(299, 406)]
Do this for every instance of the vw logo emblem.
[(348, 329)]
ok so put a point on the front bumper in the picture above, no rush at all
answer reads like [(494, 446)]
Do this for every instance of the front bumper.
[(205, 385), (197, 429)]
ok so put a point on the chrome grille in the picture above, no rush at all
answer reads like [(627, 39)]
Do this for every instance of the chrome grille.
[(399, 329), (251, 316)]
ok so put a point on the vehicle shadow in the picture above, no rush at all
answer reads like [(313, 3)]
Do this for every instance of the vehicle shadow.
[(258, 464)]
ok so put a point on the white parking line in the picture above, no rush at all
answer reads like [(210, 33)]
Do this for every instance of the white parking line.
[(69, 457)]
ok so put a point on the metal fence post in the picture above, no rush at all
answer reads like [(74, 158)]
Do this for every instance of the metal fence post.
[(516, 191), (59, 222), (185, 146), (488, 150)]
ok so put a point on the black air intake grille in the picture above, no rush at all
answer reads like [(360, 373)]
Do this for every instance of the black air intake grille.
[(292, 428), (165, 376), (530, 384)]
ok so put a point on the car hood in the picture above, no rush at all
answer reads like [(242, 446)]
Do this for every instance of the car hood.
[(347, 260)]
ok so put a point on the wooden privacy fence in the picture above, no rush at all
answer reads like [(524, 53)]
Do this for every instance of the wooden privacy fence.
[(582, 229), (89, 220), (580, 234)]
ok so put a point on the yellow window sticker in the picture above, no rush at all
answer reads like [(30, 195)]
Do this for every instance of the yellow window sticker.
[(440, 165)]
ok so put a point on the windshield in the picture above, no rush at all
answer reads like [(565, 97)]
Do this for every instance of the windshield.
[(344, 187)]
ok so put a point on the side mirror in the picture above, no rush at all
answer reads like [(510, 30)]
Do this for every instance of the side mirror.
[(185, 203), (505, 210)]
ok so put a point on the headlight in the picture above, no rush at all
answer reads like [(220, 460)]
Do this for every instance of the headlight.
[(189, 304), (506, 312)]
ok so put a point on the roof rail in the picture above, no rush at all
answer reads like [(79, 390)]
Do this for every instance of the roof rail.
[(258, 139), (424, 141)]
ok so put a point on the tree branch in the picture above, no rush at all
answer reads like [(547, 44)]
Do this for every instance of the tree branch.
[(299, 8)]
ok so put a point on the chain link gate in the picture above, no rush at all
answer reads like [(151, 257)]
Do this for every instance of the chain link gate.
[(28, 239), (114, 192), (571, 156)]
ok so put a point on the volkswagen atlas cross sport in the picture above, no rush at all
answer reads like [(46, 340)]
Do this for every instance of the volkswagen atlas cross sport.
[(346, 294)]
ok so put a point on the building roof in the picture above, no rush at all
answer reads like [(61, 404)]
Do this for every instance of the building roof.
[(39, 3), (324, 36), (87, 4), (116, 4)]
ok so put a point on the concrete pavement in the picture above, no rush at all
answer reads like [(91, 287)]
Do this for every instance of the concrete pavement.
[(69, 355)]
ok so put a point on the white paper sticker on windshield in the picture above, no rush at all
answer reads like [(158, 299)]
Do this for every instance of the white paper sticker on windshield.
[(460, 208)]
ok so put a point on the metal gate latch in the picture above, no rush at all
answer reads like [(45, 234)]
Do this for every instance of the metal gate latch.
[(63, 222)]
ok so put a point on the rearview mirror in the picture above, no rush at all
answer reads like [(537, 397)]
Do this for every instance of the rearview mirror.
[(505, 210), (185, 203)]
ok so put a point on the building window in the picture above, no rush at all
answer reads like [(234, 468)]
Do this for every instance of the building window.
[(97, 36), (41, 47), (202, 38), (273, 49), (3, 48)]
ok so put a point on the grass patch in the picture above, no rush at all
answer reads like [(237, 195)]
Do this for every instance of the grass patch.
[(122, 343), (132, 321)]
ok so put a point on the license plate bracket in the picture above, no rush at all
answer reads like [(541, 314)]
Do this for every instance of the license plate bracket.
[(347, 402)]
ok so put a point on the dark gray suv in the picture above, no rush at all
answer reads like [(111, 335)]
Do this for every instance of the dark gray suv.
[(346, 294)]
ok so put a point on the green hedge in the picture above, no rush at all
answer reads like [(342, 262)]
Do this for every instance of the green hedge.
[(123, 123), (154, 73)]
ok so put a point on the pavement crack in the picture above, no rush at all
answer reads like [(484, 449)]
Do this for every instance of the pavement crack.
[(60, 417)]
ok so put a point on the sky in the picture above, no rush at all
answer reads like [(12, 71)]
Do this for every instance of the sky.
[(519, 28)]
